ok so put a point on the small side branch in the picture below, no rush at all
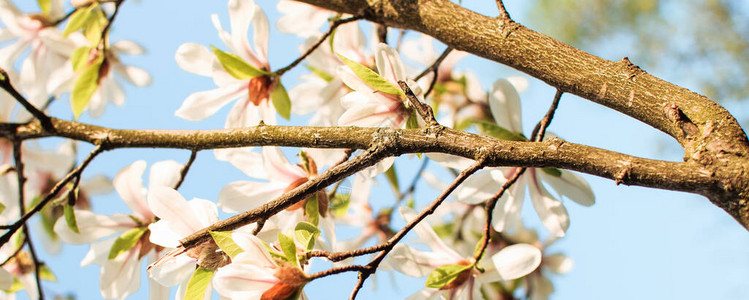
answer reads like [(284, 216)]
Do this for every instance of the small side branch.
[(17, 157), (503, 14), (424, 110), (317, 44), (186, 168), (540, 130), (38, 114)]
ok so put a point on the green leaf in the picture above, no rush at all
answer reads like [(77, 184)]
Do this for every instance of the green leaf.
[(371, 78), (95, 25), (312, 210), (494, 130), (69, 213), (320, 73), (289, 248), (445, 274), (444, 230), (306, 233), (331, 39), (78, 19), (339, 204), (126, 241), (552, 171), (236, 66), (16, 286), (45, 6), (80, 57), (226, 243), (46, 273), (198, 283), (392, 177), (281, 101), (85, 86)]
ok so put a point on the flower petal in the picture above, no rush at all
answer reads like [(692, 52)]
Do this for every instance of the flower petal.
[(504, 103), (134, 75), (195, 59), (120, 276), (243, 281), (240, 196), (173, 270), (170, 206), (200, 105), (427, 234), (164, 173), (389, 64), (517, 260), (92, 227), (278, 168), (129, 185), (250, 163), (572, 186), (558, 263), (550, 210)]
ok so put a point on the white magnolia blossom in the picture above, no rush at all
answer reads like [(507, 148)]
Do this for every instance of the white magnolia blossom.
[(509, 263), (301, 19), (120, 276), (253, 94), (504, 103)]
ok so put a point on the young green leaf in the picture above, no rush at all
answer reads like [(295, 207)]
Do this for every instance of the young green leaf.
[(306, 233), (70, 220), (445, 274), (371, 78), (236, 66), (46, 273), (95, 25), (45, 6), (198, 284), (339, 204), (496, 131), (289, 248), (126, 241), (85, 86), (320, 73), (80, 57), (392, 178), (552, 171), (78, 19), (281, 101), (226, 243), (312, 210)]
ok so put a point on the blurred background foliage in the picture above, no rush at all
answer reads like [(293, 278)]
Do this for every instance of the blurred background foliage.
[(702, 44)]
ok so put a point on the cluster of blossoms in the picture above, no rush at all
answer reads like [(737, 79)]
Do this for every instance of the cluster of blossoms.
[(349, 84)]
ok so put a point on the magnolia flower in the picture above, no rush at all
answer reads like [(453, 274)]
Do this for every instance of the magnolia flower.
[(282, 177), (369, 106), (511, 262), (108, 89), (254, 94), (49, 49), (179, 218), (254, 274), (301, 19), (120, 272), (504, 103)]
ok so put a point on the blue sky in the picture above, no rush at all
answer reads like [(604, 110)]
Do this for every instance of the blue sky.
[(633, 243)]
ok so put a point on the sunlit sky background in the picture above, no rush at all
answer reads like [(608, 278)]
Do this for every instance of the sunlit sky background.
[(634, 243)]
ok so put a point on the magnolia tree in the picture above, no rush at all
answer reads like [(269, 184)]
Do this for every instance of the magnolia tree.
[(367, 108)]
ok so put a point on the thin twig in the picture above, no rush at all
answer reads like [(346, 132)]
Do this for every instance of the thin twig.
[(424, 110), (435, 65), (17, 157), (490, 204), (314, 46), (337, 270), (540, 130), (38, 114), (56, 189), (502, 10), (105, 31), (364, 274), (65, 17), (186, 168), (18, 250)]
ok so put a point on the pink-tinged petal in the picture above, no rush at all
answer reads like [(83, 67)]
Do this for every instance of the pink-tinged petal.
[(352, 81), (194, 58), (240, 15), (163, 235), (164, 173), (416, 263), (506, 214), (260, 35), (29, 280), (558, 263), (200, 105), (92, 227), (364, 114), (504, 103), (517, 260), (134, 75), (389, 63), (572, 186), (478, 188), (350, 41), (255, 252), (250, 163), (205, 211), (278, 168), (120, 276), (128, 48), (301, 19), (427, 234), (169, 205), (129, 185), (6, 279), (172, 271), (240, 196), (242, 281), (98, 253), (550, 210), (156, 291)]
